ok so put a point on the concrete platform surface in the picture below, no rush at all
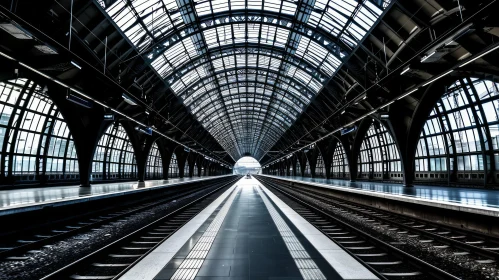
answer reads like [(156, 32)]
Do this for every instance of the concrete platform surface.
[(20, 200), (476, 201), (251, 235)]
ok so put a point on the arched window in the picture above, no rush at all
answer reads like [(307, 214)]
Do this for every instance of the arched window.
[(154, 169), (320, 168), (379, 157), (298, 168), (340, 162), (462, 128), (114, 157), (307, 172), (195, 172), (173, 168), (186, 169), (35, 140)]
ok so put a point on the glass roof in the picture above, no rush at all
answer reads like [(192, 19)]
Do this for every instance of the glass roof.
[(245, 72)]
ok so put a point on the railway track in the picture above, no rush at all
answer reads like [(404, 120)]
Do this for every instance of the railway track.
[(17, 246), (383, 258), (112, 260), (482, 248)]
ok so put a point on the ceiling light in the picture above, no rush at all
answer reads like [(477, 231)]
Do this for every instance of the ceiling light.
[(45, 49), (475, 58), (432, 80), (79, 100), (145, 130), (76, 64), (128, 100), (16, 31), (405, 70), (386, 104), (427, 56), (408, 93)]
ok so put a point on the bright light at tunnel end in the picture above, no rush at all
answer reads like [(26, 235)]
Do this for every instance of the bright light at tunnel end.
[(247, 165)]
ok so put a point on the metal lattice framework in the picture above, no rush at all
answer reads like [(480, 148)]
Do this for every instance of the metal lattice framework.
[(452, 139), (35, 140), (173, 171), (245, 69)]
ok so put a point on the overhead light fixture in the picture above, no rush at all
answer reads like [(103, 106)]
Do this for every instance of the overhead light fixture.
[(79, 100), (432, 80), (145, 130), (384, 116), (46, 49), (405, 70), (16, 31), (147, 112), (450, 42), (479, 56), (76, 65), (407, 93), (389, 103), (128, 100), (427, 56), (343, 112)]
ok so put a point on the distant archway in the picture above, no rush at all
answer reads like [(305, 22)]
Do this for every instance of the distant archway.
[(247, 165)]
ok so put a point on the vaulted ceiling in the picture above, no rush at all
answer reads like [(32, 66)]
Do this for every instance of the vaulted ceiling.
[(260, 78), (245, 70)]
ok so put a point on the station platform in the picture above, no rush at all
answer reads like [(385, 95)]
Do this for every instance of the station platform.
[(248, 233), (477, 201), (23, 200)]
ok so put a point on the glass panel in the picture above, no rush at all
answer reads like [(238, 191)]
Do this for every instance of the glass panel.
[(457, 133), (186, 169), (320, 168), (379, 154), (340, 162), (154, 168), (307, 172), (43, 144), (114, 157), (173, 167), (298, 168)]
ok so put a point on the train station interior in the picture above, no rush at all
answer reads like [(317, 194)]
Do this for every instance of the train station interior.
[(249, 139)]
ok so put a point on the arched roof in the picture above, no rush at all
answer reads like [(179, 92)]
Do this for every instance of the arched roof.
[(246, 70)]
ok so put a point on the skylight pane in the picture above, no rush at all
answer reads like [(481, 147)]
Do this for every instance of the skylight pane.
[(203, 8), (288, 8), (255, 5), (237, 4), (272, 5), (161, 66)]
